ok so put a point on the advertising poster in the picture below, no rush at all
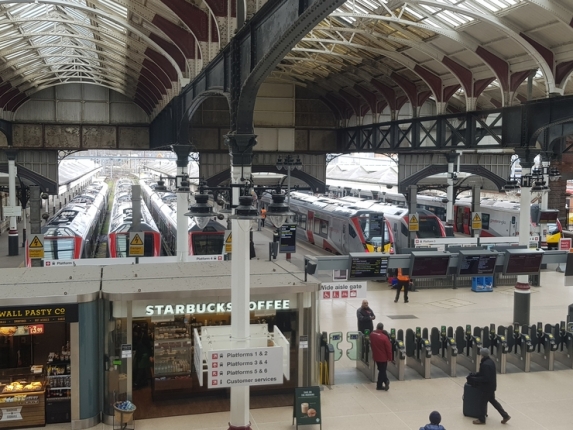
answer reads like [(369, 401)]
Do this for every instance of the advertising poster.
[(307, 406)]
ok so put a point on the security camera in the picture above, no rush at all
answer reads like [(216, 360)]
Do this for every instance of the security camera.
[(44, 196), (45, 215), (220, 217)]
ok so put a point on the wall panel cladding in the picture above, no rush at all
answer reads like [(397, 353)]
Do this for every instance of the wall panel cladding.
[(37, 110), (69, 111), (3, 141), (69, 92), (27, 135), (96, 112), (99, 137), (313, 113), (133, 137), (207, 139), (127, 113), (322, 140), (62, 136)]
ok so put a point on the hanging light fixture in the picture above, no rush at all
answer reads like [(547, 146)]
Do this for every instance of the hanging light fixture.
[(278, 212), (201, 211)]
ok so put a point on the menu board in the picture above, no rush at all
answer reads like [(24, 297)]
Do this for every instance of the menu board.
[(368, 265), (476, 263), (429, 265), (522, 262)]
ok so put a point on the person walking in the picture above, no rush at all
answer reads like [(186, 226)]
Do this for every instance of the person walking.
[(435, 420), (381, 354), (485, 381), (263, 216), (365, 317), (403, 282)]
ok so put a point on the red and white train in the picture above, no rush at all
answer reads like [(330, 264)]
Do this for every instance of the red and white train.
[(163, 208), (120, 224), (73, 232)]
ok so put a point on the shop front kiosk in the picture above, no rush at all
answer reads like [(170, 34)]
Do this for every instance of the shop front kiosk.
[(154, 318), (43, 314)]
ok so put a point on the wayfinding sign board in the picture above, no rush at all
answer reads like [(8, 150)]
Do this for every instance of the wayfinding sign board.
[(476, 263), (288, 238), (248, 366)]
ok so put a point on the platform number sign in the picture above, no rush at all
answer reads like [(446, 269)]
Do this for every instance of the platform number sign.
[(136, 246), (36, 247)]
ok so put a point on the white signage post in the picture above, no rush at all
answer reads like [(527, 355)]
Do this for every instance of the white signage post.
[(247, 366)]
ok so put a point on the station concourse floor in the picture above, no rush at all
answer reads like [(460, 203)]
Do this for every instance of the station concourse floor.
[(539, 400)]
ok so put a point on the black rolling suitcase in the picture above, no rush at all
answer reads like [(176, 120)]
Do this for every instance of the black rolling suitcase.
[(471, 400)]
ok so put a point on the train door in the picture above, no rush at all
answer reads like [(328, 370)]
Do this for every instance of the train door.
[(148, 244), (459, 218), (463, 219), (336, 233), (310, 226)]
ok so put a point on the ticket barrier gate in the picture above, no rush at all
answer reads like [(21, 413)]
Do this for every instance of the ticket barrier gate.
[(397, 366), (469, 346), (444, 350), (564, 351), (419, 351), (365, 363), (497, 345), (544, 346), (520, 347)]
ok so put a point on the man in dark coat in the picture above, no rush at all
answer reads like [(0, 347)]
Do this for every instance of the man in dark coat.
[(485, 381), (365, 317), (381, 354)]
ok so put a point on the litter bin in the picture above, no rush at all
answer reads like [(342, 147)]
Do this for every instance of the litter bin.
[(123, 417)]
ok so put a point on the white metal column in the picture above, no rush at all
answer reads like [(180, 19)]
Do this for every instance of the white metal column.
[(182, 223)]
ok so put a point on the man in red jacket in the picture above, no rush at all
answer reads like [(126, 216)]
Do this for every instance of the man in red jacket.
[(382, 354)]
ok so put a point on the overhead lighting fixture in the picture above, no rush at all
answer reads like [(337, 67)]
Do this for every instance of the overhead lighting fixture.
[(201, 211)]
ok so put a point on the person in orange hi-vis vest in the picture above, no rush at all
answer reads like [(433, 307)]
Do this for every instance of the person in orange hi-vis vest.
[(403, 282)]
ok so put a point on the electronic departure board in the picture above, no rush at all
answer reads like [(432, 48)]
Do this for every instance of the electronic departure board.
[(368, 265), (522, 261), (429, 264), (476, 263)]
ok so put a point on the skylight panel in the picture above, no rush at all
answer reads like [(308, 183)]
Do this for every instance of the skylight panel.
[(15, 55), (36, 10), (45, 40), (42, 26), (113, 25), (117, 8), (492, 5), (5, 43), (370, 4), (76, 14)]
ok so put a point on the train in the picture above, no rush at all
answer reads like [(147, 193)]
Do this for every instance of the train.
[(120, 223), (163, 207), (342, 227), (73, 232), (500, 218)]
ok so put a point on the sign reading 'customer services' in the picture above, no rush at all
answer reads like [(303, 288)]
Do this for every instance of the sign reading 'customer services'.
[(250, 366)]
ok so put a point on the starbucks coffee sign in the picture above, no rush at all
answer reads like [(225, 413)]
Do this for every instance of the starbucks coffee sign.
[(211, 308)]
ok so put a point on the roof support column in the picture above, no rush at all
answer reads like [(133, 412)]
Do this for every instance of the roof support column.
[(451, 157), (182, 152), (13, 230), (522, 293)]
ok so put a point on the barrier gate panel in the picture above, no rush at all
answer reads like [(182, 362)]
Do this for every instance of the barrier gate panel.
[(435, 340), (410, 342)]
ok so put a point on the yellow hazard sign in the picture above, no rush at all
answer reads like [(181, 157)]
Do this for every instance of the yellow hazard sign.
[(228, 241), (476, 221), (414, 223), (36, 247), (136, 248)]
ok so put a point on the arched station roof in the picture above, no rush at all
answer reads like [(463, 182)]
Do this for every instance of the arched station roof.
[(146, 50), (463, 54)]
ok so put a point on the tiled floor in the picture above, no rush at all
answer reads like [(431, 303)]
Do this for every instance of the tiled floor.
[(539, 400)]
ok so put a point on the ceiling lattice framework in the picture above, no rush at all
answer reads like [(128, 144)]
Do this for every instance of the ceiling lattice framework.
[(373, 56), (145, 49)]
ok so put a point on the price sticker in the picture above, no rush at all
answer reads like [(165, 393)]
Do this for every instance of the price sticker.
[(36, 329)]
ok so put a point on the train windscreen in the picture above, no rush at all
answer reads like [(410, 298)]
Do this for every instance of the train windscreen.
[(121, 245), (429, 227), (207, 243), (59, 249)]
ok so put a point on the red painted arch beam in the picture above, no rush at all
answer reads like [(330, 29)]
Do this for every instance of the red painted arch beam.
[(154, 80), (152, 90), (369, 96), (481, 85), (341, 105), (220, 7), (196, 19), (142, 94), (8, 95), (450, 91), (142, 104), (400, 102), (163, 63), (179, 36), (517, 78), (171, 49), (152, 69), (388, 93), (408, 86), (353, 101), (423, 96), (500, 67), (465, 76), (546, 53), (16, 102), (562, 71), (434, 81)]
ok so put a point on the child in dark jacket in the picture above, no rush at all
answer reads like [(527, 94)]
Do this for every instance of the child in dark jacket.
[(435, 419)]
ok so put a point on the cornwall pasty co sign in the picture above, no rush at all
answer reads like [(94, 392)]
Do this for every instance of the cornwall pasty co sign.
[(211, 308)]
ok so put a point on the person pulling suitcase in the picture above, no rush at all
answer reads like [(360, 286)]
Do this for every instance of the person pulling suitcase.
[(485, 382)]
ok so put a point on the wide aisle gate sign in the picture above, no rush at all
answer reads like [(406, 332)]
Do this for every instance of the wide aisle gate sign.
[(248, 366)]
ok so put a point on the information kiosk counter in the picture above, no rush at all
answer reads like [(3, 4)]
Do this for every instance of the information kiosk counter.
[(151, 312)]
